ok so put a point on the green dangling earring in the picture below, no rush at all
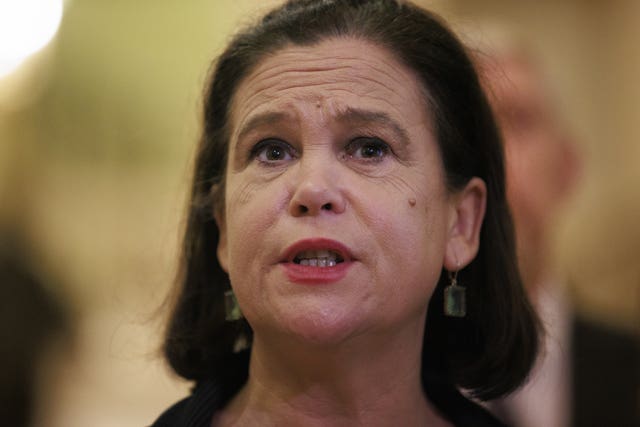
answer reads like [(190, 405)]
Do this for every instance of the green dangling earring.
[(231, 307), (455, 298)]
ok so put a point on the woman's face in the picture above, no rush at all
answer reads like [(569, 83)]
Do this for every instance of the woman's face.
[(336, 218)]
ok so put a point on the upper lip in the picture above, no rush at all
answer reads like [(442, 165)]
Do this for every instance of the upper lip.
[(316, 244)]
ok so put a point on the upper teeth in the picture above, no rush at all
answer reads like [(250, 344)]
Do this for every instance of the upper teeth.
[(319, 258)]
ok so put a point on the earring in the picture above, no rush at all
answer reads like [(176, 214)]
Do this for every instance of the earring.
[(455, 302), (231, 307)]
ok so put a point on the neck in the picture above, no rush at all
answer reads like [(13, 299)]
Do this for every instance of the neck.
[(351, 383), (535, 260)]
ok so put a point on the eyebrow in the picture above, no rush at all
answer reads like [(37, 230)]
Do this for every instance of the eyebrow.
[(358, 115), (261, 120), (349, 115)]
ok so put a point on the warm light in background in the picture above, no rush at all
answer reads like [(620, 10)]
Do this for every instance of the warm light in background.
[(26, 26)]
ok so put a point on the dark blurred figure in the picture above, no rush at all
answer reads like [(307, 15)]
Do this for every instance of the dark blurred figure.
[(31, 319), (588, 374)]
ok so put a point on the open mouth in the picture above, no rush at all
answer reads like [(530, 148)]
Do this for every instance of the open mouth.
[(318, 258)]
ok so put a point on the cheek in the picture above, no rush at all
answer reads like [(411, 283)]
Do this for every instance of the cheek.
[(414, 262), (411, 229), (407, 207), (243, 197), (251, 210)]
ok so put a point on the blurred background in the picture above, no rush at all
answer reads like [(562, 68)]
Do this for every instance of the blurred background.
[(97, 134)]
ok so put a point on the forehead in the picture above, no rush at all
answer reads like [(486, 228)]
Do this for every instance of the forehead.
[(335, 74)]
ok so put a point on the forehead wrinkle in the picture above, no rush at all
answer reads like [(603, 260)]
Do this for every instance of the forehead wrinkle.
[(276, 66), (335, 59), (267, 71), (304, 68), (267, 92)]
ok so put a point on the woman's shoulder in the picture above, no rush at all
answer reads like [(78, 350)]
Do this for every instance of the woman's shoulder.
[(196, 410), (459, 409), (465, 413), (172, 415), (209, 395)]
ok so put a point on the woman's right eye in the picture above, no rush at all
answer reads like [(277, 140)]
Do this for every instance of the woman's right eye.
[(272, 151)]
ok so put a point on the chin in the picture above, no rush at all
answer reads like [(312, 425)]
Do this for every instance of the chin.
[(320, 327)]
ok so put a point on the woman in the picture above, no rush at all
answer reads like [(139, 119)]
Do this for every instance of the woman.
[(350, 182)]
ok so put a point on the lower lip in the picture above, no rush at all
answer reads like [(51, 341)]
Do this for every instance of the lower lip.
[(310, 275)]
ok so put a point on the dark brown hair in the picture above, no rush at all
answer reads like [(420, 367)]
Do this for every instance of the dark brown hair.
[(490, 351)]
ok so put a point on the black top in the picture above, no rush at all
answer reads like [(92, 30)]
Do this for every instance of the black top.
[(606, 376), (208, 397)]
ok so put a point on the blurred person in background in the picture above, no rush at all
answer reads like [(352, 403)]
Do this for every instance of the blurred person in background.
[(32, 321), (588, 373)]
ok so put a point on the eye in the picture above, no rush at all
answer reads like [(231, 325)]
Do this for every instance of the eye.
[(272, 151), (368, 148)]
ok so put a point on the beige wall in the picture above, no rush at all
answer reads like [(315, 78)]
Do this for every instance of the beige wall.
[(96, 140)]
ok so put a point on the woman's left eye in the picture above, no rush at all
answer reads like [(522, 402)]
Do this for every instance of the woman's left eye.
[(368, 148), (272, 151)]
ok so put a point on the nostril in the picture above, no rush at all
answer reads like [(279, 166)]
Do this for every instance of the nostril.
[(308, 209)]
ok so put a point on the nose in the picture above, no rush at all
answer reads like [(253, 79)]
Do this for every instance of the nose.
[(316, 190)]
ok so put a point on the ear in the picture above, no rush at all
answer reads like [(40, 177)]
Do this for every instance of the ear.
[(222, 250), (467, 214)]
